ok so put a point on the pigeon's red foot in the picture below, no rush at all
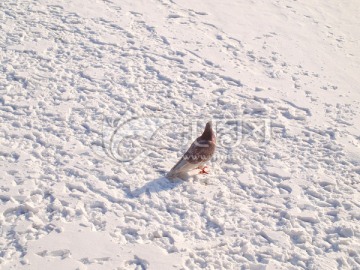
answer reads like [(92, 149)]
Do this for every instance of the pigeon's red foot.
[(203, 170)]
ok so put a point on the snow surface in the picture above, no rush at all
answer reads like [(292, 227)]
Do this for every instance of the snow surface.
[(99, 99)]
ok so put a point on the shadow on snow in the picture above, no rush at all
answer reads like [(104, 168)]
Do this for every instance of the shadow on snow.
[(155, 186)]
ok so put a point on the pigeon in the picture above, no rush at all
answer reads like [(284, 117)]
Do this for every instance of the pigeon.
[(200, 151)]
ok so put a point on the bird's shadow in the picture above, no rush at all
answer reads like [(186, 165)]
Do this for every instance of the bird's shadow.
[(156, 186)]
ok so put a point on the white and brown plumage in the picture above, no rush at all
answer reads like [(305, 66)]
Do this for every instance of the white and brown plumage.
[(200, 151)]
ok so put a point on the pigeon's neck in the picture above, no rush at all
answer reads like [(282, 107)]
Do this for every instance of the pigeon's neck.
[(208, 134)]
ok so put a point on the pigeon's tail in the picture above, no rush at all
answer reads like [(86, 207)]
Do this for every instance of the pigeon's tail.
[(182, 167)]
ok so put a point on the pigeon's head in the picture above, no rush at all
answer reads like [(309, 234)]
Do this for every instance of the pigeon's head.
[(209, 126), (208, 133)]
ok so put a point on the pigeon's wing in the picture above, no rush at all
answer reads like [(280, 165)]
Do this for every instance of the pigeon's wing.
[(183, 166), (200, 151)]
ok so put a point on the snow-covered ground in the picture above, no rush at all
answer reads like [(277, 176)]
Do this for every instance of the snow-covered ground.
[(99, 99)]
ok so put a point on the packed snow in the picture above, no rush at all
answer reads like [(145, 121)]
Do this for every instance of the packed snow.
[(99, 99)]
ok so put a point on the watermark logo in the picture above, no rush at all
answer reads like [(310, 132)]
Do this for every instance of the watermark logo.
[(134, 139)]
